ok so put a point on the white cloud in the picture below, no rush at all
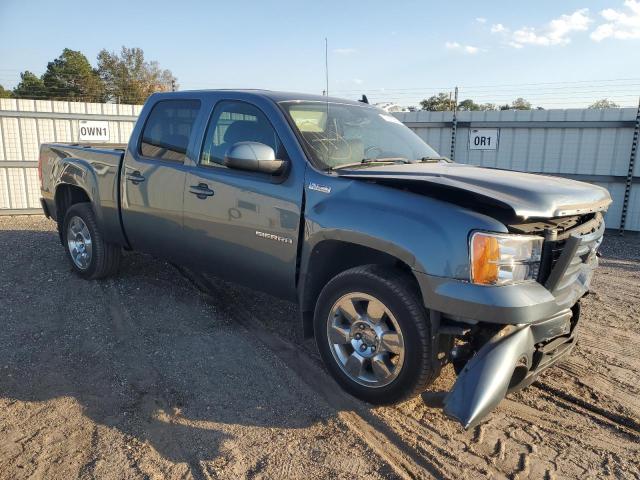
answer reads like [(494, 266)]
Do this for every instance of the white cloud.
[(481, 20), (470, 49), (345, 51), (557, 32), (619, 24), (358, 81)]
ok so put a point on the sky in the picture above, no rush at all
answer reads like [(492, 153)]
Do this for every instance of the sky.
[(554, 53)]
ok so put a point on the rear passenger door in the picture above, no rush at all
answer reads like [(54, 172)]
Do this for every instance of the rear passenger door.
[(153, 178)]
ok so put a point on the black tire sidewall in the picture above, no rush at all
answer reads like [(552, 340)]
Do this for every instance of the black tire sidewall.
[(84, 212), (407, 312)]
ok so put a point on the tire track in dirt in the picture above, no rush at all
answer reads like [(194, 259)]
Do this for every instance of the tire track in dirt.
[(599, 383), (146, 380), (435, 445), (405, 461), (600, 415), (566, 439)]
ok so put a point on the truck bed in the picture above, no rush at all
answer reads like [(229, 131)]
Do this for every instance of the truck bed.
[(59, 166)]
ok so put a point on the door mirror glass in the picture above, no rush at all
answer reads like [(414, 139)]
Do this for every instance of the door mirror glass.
[(254, 157)]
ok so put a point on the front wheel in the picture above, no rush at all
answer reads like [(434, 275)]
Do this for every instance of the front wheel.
[(373, 334), (90, 256)]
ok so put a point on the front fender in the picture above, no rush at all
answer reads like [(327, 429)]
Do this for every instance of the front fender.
[(429, 235)]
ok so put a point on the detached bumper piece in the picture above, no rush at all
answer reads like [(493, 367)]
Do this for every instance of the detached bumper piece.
[(512, 359)]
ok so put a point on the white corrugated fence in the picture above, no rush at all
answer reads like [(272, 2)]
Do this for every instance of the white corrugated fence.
[(25, 124), (589, 145)]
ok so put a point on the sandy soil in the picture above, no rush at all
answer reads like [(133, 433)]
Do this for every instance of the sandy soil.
[(148, 376)]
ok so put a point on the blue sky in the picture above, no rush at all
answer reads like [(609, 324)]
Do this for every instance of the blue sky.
[(399, 51)]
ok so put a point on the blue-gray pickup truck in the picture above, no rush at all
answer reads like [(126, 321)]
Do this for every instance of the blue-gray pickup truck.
[(401, 261)]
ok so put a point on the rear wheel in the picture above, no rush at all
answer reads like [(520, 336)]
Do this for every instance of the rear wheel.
[(373, 334), (90, 256)]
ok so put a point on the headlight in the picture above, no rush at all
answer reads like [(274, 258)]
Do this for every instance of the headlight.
[(499, 259)]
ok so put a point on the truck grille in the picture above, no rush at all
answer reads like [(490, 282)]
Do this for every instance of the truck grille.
[(564, 273)]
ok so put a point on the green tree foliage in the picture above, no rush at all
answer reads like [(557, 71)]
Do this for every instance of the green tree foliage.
[(5, 93), (30, 86), (437, 103), (125, 78), (129, 78), (471, 106), (604, 103), (518, 104), (71, 77)]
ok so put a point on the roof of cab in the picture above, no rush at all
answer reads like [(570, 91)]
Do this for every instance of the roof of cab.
[(275, 96)]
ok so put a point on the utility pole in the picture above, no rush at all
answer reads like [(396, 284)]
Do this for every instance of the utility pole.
[(632, 161), (454, 125)]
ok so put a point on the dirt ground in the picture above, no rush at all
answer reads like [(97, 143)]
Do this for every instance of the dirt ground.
[(162, 374)]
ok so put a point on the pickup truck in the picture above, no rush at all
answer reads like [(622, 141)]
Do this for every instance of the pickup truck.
[(401, 261)]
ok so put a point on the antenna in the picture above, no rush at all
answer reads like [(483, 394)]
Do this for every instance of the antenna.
[(326, 64)]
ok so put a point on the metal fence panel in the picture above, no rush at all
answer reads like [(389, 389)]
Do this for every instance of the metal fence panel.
[(25, 124), (589, 145), (583, 144)]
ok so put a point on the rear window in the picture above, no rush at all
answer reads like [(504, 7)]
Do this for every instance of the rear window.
[(168, 129)]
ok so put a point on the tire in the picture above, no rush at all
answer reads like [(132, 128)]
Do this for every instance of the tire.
[(385, 301), (92, 258)]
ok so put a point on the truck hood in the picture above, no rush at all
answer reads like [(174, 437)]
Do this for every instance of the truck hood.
[(526, 195)]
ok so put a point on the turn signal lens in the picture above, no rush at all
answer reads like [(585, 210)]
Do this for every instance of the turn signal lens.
[(500, 259), (484, 259)]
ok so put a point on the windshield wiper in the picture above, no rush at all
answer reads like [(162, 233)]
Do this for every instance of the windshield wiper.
[(370, 161)]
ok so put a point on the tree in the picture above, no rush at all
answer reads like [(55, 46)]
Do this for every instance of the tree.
[(518, 104), (5, 93), (468, 105), (30, 86), (488, 107), (471, 106), (71, 76), (604, 103), (128, 78), (437, 103)]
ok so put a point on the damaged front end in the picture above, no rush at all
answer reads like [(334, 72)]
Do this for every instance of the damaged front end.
[(509, 360), (504, 337)]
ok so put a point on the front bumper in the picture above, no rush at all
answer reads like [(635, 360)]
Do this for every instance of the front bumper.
[(538, 330), (524, 303), (511, 360)]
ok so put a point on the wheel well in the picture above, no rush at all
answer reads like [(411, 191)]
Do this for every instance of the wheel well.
[(67, 195), (328, 259)]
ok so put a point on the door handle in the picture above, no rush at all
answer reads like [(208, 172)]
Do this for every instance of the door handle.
[(135, 177), (202, 191)]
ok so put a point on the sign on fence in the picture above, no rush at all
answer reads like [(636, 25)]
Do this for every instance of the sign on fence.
[(93, 131), (483, 139)]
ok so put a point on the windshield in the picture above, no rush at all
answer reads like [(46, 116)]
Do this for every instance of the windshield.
[(340, 134)]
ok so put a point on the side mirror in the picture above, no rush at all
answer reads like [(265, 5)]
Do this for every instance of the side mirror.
[(254, 157)]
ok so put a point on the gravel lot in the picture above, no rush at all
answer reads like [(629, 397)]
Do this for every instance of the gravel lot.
[(162, 374)]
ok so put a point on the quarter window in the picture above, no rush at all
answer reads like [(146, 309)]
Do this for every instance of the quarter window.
[(168, 129), (233, 122)]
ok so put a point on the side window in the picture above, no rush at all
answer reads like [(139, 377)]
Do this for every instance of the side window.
[(233, 122), (168, 129)]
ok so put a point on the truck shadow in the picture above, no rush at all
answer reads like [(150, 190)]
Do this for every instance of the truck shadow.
[(143, 353)]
